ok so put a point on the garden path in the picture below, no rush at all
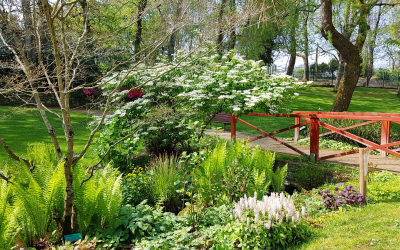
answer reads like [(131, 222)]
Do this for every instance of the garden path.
[(377, 161)]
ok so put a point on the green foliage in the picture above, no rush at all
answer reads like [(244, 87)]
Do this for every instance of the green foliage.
[(383, 186), (6, 228), (35, 200), (332, 144), (234, 169), (135, 223), (312, 201), (98, 200), (136, 187), (278, 178), (38, 195), (386, 74), (168, 131), (165, 180), (282, 236), (310, 176)]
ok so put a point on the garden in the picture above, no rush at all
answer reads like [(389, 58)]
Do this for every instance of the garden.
[(108, 138), (168, 185)]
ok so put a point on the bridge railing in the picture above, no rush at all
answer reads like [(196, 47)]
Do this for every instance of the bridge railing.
[(314, 119)]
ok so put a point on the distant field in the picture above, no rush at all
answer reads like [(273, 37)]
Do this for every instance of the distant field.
[(321, 99), (21, 126)]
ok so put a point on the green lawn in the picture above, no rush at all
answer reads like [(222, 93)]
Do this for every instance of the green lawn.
[(321, 99), (21, 126), (376, 226)]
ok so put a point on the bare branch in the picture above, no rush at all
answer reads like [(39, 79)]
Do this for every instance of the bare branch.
[(14, 156), (92, 168), (50, 129)]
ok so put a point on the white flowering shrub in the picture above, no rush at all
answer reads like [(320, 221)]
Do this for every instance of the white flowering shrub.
[(272, 222), (201, 86), (276, 208)]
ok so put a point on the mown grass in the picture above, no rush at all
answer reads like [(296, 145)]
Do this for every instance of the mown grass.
[(321, 99), (375, 226), (22, 126)]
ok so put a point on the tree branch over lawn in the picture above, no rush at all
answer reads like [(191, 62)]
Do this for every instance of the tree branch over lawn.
[(14, 156)]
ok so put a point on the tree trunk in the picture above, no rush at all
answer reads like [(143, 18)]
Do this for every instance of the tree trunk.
[(369, 67), (232, 35), (316, 63), (69, 214), (292, 46), (339, 74), (346, 88), (292, 62), (172, 39), (28, 27), (220, 35), (139, 28), (350, 52), (306, 49)]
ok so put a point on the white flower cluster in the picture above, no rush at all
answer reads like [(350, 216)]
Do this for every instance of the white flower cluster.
[(272, 209)]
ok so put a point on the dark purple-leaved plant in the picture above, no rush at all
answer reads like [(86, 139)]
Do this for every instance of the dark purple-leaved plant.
[(335, 199)]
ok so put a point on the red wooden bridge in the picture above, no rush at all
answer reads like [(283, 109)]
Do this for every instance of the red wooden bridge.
[(302, 118)]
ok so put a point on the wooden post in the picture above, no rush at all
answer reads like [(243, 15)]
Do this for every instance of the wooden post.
[(385, 135), (314, 138), (364, 155), (296, 130), (233, 127)]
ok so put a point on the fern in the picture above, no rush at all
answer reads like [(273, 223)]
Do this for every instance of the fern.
[(233, 169), (6, 228), (278, 178), (98, 200)]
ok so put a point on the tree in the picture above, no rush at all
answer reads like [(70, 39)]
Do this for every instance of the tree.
[(139, 27), (350, 52), (369, 49), (73, 43), (292, 48)]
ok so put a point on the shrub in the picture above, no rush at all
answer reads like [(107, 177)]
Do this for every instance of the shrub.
[(272, 222), (310, 175), (167, 131), (177, 100), (348, 196), (165, 180), (136, 223), (136, 187), (37, 202), (234, 169)]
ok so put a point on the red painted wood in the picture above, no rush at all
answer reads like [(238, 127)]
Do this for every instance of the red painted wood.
[(392, 144), (356, 138), (233, 127), (265, 134), (313, 118), (283, 143), (345, 116), (346, 113), (296, 130), (350, 127), (314, 138), (251, 126), (385, 134), (339, 154)]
